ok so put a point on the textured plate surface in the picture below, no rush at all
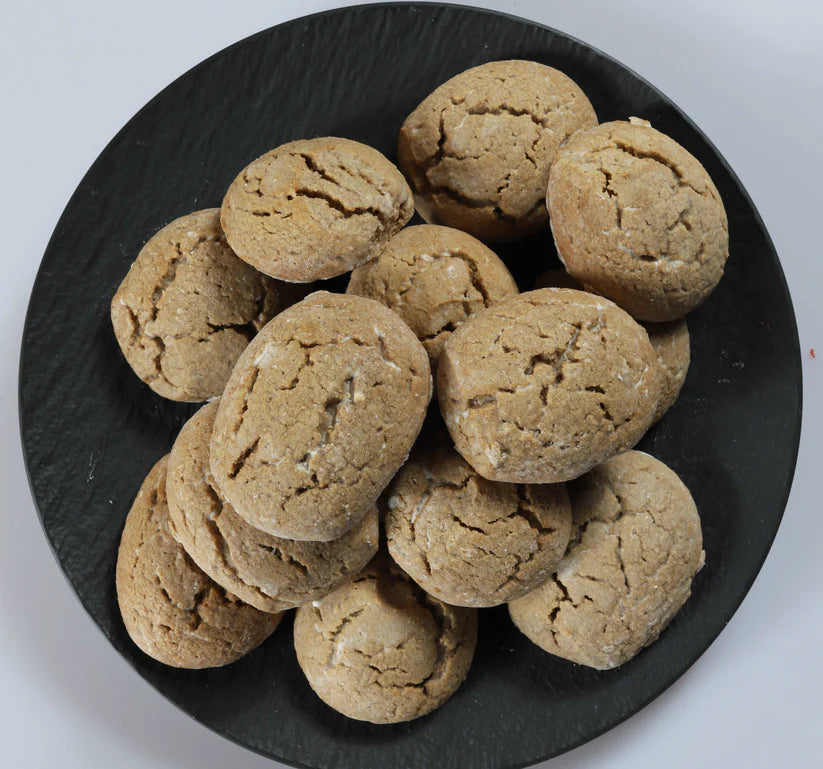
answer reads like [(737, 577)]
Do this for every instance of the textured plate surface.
[(91, 430)]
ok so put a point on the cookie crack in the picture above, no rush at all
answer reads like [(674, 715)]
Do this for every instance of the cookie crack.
[(474, 274), (445, 625), (334, 202), (312, 165), (285, 557), (338, 205), (469, 202), (331, 414), (682, 219), (247, 330), (479, 401), (464, 200), (247, 182), (446, 328), (606, 413), (659, 158), (221, 545), (335, 635), (415, 514), (249, 389), (505, 109), (608, 189), (168, 277), (180, 259), (192, 613), (196, 617), (240, 462), (152, 511), (308, 362), (519, 566), (527, 512), (560, 357), (351, 171), (165, 281), (622, 564), (435, 158), (136, 329), (463, 525), (158, 360)]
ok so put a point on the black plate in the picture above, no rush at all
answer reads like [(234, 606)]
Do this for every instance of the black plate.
[(91, 430)]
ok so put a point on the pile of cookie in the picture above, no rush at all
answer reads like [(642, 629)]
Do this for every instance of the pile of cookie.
[(318, 477)]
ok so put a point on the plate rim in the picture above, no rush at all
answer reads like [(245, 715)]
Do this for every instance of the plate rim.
[(794, 342)]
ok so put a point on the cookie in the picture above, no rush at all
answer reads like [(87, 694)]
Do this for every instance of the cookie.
[(188, 307), (269, 573), (671, 343), (315, 208), (434, 278), (171, 609), (543, 386), (636, 545), (320, 412), (380, 649), (469, 541), (637, 219), (477, 151)]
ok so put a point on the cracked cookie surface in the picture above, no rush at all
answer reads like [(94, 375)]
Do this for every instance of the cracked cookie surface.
[(315, 208), (434, 278), (172, 610), (477, 150), (670, 341), (270, 573), (380, 649), (188, 307), (671, 344), (637, 218), (469, 541), (320, 412), (636, 545), (543, 386)]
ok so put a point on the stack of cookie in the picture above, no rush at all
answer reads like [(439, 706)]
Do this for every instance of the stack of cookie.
[(523, 488)]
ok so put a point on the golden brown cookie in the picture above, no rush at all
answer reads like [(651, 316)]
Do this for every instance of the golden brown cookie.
[(315, 208), (636, 545), (671, 343), (469, 541), (318, 415), (636, 218), (188, 307), (380, 649), (477, 150), (543, 386), (171, 609), (267, 572), (434, 278)]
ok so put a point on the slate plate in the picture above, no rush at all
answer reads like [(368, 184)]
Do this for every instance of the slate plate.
[(91, 430)]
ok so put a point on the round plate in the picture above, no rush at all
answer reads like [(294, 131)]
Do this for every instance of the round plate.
[(91, 430)]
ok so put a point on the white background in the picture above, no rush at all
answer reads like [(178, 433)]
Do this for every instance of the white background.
[(748, 72)]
